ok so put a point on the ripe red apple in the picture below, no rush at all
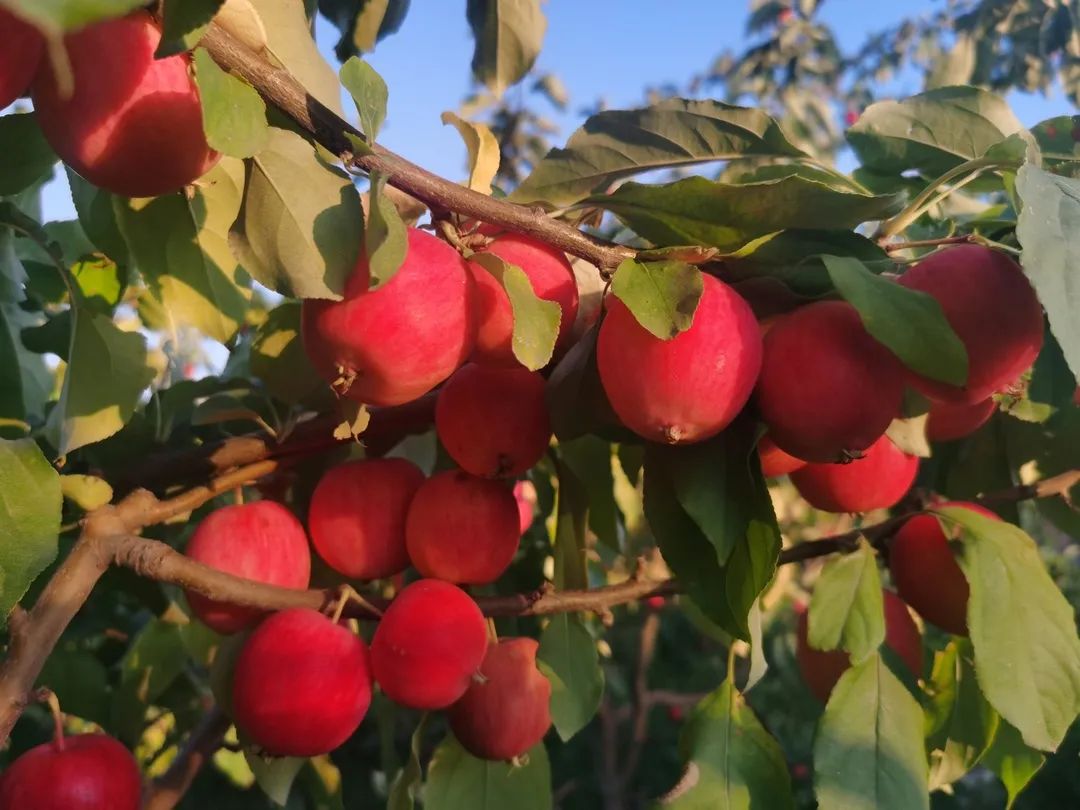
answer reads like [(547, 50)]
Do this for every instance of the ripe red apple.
[(690, 387), (827, 389), (429, 645), (393, 344), (19, 58), (821, 669), (551, 277), (774, 461), (134, 123), (947, 420), (83, 772), (926, 573), (525, 495), (504, 714), (878, 480), (462, 528), (357, 516), (991, 306), (493, 421), (262, 541), (301, 685)]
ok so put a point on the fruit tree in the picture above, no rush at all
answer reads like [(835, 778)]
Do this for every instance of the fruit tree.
[(722, 456)]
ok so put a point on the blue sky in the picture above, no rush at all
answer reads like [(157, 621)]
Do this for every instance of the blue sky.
[(601, 49)]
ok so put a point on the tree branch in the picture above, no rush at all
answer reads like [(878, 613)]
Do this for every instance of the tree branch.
[(168, 789), (283, 90)]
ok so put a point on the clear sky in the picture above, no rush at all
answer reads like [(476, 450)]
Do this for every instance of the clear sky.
[(601, 49)]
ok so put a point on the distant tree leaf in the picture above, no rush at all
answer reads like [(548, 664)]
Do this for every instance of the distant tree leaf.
[(234, 114), (183, 24), (25, 156), (300, 229), (536, 320), (704, 212), (931, 132), (733, 761), (30, 504), (86, 491), (406, 784), (182, 249), (386, 239), (868, 753), (846, 608), (279, 360), (568, 658), (675, 132), (662, 295), (363, 22), (1049, 231), (459, 781), (909, 323), (483, 149), (369, 93), (508, 34), (153, 661), (1027, 653), (58, 16)]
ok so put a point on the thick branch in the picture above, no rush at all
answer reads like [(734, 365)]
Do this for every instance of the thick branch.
[(282, 89)]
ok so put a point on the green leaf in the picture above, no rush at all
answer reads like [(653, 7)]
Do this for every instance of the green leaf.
[(846, 608), (1027, 653), (86, 491), (181, 246), (713, 520), (615, 144), (25, 156), (508, 34), (569, 659), (931, 132), (12, 400), (536, 320), (733, 762), (183, 24), (301, 226), (386, 240), (459, 781), (1014, 762), (99, 396), (101, 283), (868, 752), (369, 94), (960, 723), (909, 323), (589, 457), (98, 217), (363, 27), (154, 660), (484, 152), (574, 395), (274, 775), (80, 683), (662, 296), (572, 512), (699, 211), (279, 360), (1048, 231), (234, 114), (406, 784), (30, 504), (57, 16)]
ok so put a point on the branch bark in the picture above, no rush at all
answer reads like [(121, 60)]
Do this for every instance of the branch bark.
[(167, 790), (284, 91)]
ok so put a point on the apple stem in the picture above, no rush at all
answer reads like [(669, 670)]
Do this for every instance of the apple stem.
[(48, 696), (349, 594), (238, 496), (493, 634)]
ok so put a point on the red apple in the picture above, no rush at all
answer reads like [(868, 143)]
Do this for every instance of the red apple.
[(774, 461), (827, 389), (83, 772), (357, 516), (991, 306), (301, 685), (493, 421), (262, 541), (947, 420), (505, 713), (19, 58), (878, 480), (393, 344), (134, 123), (822, 669), (462, 528), (525, 495), (690, 387), (926, 573), (429, 645), (551, 277)]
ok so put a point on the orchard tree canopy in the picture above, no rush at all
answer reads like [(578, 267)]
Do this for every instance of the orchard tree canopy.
[(722, 455)]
